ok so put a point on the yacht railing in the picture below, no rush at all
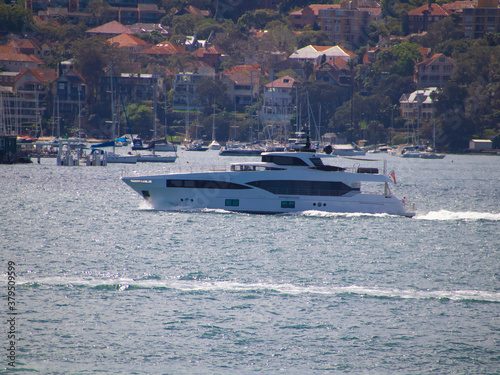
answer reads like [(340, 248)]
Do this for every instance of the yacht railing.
[(185, 169), (178, 169)]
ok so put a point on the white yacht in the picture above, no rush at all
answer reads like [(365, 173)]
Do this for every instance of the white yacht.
[(155, 158), (282, 182), (214, 145)]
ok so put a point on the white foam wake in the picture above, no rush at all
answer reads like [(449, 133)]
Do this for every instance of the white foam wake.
[(466, 215), (289, 289), (315, 213)]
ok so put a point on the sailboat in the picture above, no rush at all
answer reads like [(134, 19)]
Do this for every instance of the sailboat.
[(113, 157), (153, 157), (161, 144), (214, 145)]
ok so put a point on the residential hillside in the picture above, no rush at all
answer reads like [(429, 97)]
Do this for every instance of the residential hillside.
[(389, 72)]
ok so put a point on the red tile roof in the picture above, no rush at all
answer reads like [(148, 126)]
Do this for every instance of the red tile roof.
[(435, 10), (212, 50), (429, 60), (127, 40), (19, 57), (165, 48), (113, 27), (243, 68), (283, 82), (6, 49), (458, 5), (242, 78), (316, 8), (42, 75)]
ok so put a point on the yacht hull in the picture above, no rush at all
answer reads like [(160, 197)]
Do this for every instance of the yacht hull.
[(233, 191)]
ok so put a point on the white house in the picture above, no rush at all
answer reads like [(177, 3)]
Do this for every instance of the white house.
[(315, 53), (418, 104), (278, 105), (480, 144)]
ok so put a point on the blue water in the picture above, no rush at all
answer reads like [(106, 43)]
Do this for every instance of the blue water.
[(107, 285)]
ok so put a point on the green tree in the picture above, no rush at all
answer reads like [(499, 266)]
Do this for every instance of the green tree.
[(211, 91), (322, 97), (317, 38), (140, 116), (281, 36), (205, 27), (92, 56), (14, 18), (185, 24), (260, 18), (406, 55), (393, 86), (367, 108), (440, 32)]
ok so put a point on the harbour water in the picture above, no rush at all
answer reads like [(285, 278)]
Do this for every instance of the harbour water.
[(104, 284)]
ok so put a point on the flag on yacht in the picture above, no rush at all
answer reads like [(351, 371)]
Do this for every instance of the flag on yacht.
[(393, 175)]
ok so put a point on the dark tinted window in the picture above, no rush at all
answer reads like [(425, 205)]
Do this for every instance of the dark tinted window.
[(205, 184), (322, 188), (283, 160)]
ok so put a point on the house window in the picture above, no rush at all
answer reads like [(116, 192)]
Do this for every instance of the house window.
[(287, 204), (232, 202)]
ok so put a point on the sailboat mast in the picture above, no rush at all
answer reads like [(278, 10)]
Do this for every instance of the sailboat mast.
[(112, 107), (187, 113), (213, 124), (154, 105), (251, 107)]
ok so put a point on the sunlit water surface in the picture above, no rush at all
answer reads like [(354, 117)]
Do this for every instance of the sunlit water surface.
[(107, 285)]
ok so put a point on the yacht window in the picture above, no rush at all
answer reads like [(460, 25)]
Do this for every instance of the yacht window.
[(245, 168), (283, 160), (232, 202), (293, 187), (317, 162), (204, 184), (287, 204)]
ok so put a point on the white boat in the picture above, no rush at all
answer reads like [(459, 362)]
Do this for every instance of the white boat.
[(214, 145), (195, 146), (162, 145), (431, 155), (155, 158), (412, 154), (297, 142), (242, 150), (347, 150), (282, 182), (112, 157)]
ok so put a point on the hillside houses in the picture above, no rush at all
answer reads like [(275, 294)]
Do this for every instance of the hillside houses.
[(315, 54), (331, 53), (344, 22), (420, 18), (418, 104), (434, 71)]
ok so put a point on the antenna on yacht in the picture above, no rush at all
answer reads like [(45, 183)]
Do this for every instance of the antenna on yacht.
[(307, 147)]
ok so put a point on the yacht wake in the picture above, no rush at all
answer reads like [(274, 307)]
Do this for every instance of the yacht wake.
[(210, 286), (314, 213), (444, 215)]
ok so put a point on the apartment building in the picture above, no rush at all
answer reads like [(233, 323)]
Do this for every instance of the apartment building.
[(481, 19), (420, 18), (349, 23)]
